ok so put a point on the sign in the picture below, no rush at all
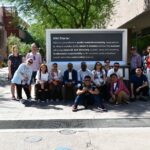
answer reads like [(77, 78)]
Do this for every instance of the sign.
[(86, 46), (76, 45)]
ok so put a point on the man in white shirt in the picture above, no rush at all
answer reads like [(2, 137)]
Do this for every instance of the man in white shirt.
[(116, 69), (84, 72)]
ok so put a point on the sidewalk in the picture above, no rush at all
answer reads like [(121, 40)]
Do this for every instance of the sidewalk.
[(54, 126), (13, 110)]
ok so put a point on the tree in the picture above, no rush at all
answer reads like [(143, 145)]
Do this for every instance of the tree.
[(45, 14), (23, 47), (67, 13)]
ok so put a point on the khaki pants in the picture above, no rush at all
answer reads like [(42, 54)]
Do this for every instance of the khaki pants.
[(121, 98)]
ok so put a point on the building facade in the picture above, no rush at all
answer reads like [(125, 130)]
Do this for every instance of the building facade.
[(131, 14), (9, 24)]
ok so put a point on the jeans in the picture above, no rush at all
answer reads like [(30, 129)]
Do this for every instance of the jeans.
[(93, 99)]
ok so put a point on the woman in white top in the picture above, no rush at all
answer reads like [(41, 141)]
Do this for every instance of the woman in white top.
[(56, 83), (22, 78), (99, 76), (42, 83)]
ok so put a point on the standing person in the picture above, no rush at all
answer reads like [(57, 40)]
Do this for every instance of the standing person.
[(144, 60), (37, 60), (147, 59), (14, 60), (136, 60), (1, 60), (22, 78)]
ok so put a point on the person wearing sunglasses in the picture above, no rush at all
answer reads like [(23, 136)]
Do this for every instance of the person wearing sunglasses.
[(37, 61), (87, 94), (116, 70), (22, 79)]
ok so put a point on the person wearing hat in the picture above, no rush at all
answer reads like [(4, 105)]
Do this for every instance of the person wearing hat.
[(136, 60), (22, 79)]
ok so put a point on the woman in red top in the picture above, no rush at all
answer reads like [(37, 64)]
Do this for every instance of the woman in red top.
[(148, 65)]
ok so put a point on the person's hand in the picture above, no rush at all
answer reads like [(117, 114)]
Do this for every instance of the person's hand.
[(55, 82), (9, 75), (85, 90), (90, 91), (132, 96), (138, 89), (69, 84), (113, 96)]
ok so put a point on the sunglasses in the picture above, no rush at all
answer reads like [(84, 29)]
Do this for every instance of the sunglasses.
[(31, 62), (86, 80)]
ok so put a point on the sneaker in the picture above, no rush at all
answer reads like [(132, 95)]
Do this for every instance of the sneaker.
[(126, 102), (22, 101), (57, 100), (29, 100), (74, 108), (38, 100), (52, 100), (101, 109), (13, 98), (143, 98)]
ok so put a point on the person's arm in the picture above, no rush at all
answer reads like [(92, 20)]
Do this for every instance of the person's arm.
[(122, 87), (145, 84), (132, 90), (9, 69), (94, 92), (81, 91), (37, 77), (139, 61), (40, 59)]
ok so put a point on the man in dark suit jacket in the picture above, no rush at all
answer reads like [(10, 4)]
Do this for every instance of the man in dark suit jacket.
[(70, 82)]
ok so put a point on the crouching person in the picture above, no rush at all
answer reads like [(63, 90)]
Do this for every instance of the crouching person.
[(88, 94), (42, 84), (22, 79), (118, 91), (139, 85)]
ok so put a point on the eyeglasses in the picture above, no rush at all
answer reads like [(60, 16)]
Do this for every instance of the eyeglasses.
[(116, 66), (87, 80), (107, 62)]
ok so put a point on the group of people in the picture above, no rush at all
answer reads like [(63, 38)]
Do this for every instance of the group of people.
[(84, 86)]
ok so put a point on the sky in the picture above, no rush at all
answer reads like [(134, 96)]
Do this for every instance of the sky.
[(27, 19)]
